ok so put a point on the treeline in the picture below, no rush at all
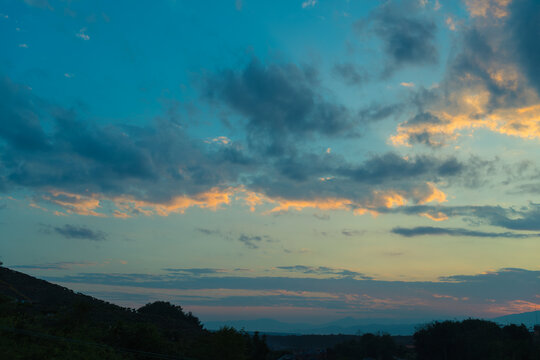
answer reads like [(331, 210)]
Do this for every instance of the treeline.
[(40, 320), (155, 331), (161, 330), (470, 339), (476, 339)]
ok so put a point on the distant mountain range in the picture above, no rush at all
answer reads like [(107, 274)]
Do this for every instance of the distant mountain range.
[(352, 326), (530, 319)]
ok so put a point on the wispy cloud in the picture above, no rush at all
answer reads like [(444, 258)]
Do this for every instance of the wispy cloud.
[(254, 241), (56, 266), (79, 232), (82, 34), (324, 290), (429, 230), (309, 3)]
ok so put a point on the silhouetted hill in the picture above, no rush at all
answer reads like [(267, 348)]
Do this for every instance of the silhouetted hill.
[(48, 298), (40, 320)]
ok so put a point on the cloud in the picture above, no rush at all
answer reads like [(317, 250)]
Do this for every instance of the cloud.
[(351, 74), (194, 271), (238, 5), (523, 24), (376, 112), (347, 232), (491, 81), (253, 241), (280, 102), (407, 84), (20, 126), (55, 266), (40, 4), (323, 270), (250, 241), (207, 231), (78, 165), (82, 34), (325, 290), (309, 3), (80, 232), (524, 218), (429, 230), (322, 216), (408, 35), (122, 170)]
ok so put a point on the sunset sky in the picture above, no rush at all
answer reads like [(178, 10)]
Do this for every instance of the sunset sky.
[(295, 160)]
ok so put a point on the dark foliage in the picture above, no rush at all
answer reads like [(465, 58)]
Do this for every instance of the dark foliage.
[(40, 320), (475, 339)]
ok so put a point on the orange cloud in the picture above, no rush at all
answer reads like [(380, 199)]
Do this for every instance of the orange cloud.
[(407, 84), (211, 199), (432, 194), (75, 203), (252, 199), (321, 204), (441, 296), (437, 216), (469, 110), (513, 307), (488, 8), (127, 206)]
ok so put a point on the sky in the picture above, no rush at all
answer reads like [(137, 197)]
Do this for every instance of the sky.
[(294, 160)]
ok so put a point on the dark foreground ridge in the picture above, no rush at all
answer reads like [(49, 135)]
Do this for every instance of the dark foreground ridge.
[(40, 320)]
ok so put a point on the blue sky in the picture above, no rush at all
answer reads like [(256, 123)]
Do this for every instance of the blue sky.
[(303, 160)]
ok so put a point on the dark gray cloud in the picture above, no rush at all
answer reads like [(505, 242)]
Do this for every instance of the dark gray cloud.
[(430, 230), (324, 270), (524, 25), (476, 295), (505, 284), (153, 163), (208, 231), (408, 35), (281, 103), (522, 219), (348, 232), (425, 137), (351, 74), (158, 162), (391, 166), (253, 241), (250, 241), (20, 125), (194, 271), (54, 266), (299, 177), (377, 112), (322, 216), (80, 232)]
